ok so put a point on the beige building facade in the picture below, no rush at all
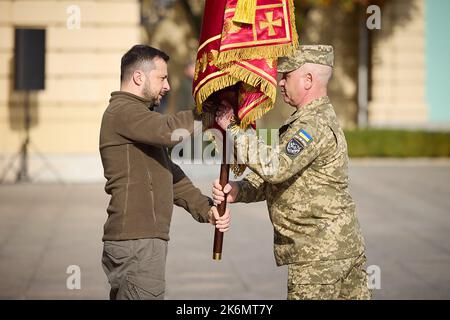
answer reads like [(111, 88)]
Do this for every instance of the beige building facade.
[(399, 66), (85, 40), (84, 43)]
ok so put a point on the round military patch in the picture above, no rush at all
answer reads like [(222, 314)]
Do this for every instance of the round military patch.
[(293, 147)]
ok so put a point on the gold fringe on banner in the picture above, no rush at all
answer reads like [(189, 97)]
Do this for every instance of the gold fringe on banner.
[(213, 86), (295, 42), (256, 81), (256, 113), (245, 11), (272, 52), (231, 76)]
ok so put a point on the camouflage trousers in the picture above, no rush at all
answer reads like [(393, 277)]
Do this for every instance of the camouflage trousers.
[(329, 280)]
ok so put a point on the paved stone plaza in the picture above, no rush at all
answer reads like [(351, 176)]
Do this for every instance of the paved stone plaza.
[(403, 207)]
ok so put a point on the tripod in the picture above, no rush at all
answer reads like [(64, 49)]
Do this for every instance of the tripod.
[(22, 174)]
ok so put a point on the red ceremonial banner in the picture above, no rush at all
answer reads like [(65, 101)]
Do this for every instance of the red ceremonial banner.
[(240, 43)]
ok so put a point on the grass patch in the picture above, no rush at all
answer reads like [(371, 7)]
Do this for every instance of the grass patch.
[(397, 143)]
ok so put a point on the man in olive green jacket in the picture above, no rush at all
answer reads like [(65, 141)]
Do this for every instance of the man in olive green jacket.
[(142, 180)]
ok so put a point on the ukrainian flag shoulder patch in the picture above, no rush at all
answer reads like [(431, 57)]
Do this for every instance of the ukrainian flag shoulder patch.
[(304, 137)]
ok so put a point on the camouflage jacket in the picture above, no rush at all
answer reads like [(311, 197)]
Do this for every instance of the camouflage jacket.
[(305, 184)]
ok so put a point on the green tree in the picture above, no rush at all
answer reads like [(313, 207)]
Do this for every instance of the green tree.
[(353, 12)]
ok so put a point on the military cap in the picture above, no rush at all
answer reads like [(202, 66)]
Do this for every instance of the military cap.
[(318, 54)]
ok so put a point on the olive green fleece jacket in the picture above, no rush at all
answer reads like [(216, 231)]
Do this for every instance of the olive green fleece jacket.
[(142, 180)]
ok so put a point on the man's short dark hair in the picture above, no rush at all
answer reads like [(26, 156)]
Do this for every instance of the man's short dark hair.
[(137, 55)]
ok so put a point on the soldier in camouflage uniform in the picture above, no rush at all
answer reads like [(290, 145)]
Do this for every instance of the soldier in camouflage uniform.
[(305, 184)]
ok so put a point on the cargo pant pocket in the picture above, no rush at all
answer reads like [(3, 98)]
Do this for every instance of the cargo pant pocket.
[(355, 285), (140, 288), (116, 259), (317, 280)]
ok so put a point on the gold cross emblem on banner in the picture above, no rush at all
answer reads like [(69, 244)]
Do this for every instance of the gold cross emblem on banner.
[(269, 23)]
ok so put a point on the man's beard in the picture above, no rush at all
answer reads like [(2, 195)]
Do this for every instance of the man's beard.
[(146, 93)]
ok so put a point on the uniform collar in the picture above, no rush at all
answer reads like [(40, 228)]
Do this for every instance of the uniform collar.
[(308, 108)]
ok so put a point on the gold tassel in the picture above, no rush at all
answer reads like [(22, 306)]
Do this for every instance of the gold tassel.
[(245, 11), (295, 41), (238, 169)]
